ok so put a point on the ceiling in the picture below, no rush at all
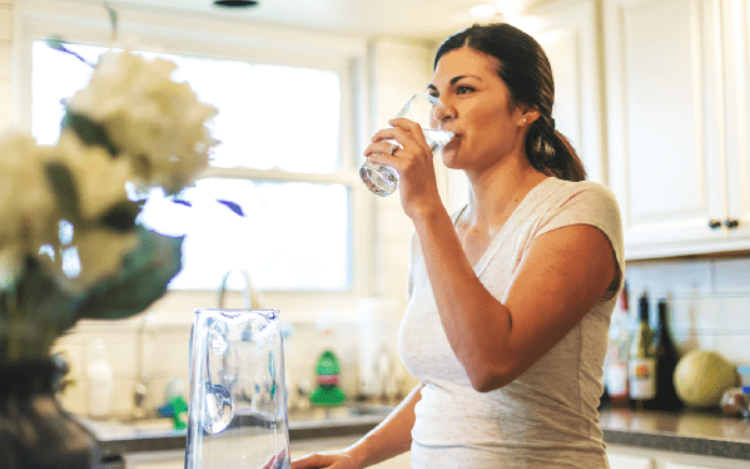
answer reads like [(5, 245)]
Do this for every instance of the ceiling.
[(416, 19)]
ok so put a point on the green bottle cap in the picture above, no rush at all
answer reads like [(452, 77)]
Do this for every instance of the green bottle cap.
[(328, 364)]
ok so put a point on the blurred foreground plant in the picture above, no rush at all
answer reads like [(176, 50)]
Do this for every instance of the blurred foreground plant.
[(71, 246)]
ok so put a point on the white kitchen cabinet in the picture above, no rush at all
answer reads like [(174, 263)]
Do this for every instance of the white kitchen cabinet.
[(567, 31), (736, 29), (674, 96), (628, 457), (622, 461), (155, 460)]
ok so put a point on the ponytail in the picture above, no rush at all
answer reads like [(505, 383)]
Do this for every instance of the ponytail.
[(551, 153)]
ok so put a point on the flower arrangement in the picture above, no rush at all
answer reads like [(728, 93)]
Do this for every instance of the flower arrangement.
[(71, 245)]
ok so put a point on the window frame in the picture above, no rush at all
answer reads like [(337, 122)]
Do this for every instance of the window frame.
[(232, 39)]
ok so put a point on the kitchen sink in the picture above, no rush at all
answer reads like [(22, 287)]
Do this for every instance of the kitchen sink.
[(116, 428)]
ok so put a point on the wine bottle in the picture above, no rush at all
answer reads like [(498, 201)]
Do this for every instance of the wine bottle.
[(666, 362), (616, 368), (642, 361)]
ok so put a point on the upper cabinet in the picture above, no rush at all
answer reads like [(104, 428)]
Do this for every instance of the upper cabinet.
[(567, 31), (677, 120), (736, 29)]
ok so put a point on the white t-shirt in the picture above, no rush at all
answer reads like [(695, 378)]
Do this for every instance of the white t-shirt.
[(547, 417)]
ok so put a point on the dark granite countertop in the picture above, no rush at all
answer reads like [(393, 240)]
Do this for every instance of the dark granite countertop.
[(706, 433), (117, 437), (691, 432)]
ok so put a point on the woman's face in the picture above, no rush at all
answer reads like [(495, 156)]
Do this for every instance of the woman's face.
[(477, 108)]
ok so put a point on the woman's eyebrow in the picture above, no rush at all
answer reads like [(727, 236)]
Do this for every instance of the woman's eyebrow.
[(452, 82)]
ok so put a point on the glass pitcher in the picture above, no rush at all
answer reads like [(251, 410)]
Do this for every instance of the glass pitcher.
[(237, 413)]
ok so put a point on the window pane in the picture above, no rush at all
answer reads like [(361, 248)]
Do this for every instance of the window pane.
[(294, 235), (270, 116), (56, 76)]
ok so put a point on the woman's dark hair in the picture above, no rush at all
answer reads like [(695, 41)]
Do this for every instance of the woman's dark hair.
[(526, 71)]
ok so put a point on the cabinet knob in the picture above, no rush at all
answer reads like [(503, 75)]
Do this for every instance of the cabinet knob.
[(731, 223), (713, 224)]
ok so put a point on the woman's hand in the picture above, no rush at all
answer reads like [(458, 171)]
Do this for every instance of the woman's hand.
[(327, 460), (413, 161)]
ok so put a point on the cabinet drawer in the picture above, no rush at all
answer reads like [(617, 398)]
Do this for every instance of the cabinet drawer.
[(620, 461)]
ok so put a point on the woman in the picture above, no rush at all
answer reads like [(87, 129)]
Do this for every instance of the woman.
[(509, 299)]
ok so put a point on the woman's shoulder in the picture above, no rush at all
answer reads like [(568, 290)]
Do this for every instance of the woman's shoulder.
[(589, 190)]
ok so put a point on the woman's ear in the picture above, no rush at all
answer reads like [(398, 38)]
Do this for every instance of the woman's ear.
[(527, 115)]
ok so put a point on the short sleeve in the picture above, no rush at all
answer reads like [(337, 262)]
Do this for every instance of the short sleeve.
[(590, 203)]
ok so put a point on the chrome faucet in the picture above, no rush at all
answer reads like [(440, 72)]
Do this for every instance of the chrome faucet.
[(250, 295)]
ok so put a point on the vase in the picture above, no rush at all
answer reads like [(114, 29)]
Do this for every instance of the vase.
[(35, 431)]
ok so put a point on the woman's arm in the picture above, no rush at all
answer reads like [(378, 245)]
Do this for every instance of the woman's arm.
[(389, 439), (561, 277)]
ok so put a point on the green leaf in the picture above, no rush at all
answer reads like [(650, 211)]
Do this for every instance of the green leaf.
[(112, 20), (121, 216), (65, 189), (58, 43), (89, 131), (144, 277), (43, 311)]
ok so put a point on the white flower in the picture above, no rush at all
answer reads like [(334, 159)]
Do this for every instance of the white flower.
[(27, 203), (100, 178), (160, 124), (84, 255), (87, 255)]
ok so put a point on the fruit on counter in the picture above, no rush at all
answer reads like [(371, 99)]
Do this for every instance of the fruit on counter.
[(701, 377)]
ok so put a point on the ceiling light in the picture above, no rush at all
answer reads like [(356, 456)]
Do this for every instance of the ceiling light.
[(483, 10), (235, 3)]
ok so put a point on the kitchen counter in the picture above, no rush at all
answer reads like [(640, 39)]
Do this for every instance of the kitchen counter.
[(116, 438), (690, 432), (705, 433)]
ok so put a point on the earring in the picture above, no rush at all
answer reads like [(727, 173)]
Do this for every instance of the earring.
[(524, 120)]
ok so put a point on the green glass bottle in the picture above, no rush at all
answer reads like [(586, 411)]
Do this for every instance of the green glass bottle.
[(642, 360)]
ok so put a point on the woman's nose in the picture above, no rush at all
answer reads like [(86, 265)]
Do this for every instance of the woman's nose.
[(440, 114)]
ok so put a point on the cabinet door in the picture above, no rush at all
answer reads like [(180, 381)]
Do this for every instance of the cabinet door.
[(737, 85), (670, 465), (567, 31), (663, 69), (155, 460), (621, 461)]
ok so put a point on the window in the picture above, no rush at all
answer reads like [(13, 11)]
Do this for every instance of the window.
[(281, 158)]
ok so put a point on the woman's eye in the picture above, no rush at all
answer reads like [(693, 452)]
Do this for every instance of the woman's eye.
[(464, 89)]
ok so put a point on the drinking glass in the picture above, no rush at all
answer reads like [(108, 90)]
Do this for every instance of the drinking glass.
[(383, 180)]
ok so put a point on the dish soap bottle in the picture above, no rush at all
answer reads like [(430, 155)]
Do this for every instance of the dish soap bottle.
[(328, 393), (100, 378)]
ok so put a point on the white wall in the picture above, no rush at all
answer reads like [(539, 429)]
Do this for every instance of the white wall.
[(6, 35)]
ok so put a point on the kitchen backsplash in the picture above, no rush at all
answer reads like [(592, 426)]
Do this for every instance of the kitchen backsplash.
[(710, 302), (165, 352)]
